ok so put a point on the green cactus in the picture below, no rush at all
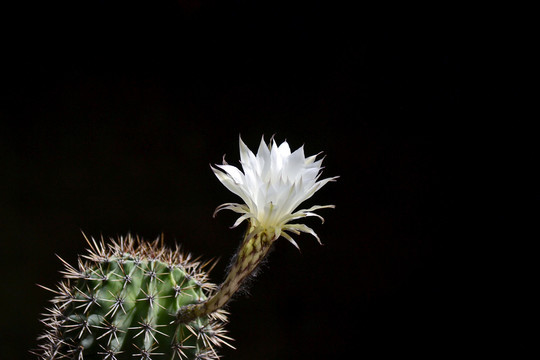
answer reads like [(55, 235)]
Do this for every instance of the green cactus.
[(121, 303), (133, 299)]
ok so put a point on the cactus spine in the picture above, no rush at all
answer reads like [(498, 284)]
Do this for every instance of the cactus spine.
[(121, 303)]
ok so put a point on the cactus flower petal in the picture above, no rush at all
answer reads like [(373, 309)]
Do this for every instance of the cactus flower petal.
[(273, 183)]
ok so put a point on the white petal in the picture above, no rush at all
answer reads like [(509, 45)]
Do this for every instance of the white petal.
[(245, 154), (295, 165), (302, 228), (238, 208), (227, 181), (284, 149), (232, 186), (236, 175), (290, 239), (263, 152), (241, 219)]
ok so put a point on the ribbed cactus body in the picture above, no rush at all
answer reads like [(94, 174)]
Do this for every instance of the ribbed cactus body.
[(121, 303)]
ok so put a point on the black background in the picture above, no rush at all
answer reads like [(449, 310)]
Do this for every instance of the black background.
[(111, 115)]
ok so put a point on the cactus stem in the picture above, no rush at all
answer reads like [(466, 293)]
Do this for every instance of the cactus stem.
[(253, 250)]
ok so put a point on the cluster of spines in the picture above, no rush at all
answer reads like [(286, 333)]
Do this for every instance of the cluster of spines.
[(75, 321)]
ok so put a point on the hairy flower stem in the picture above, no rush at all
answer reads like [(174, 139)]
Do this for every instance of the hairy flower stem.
[(253, 250)]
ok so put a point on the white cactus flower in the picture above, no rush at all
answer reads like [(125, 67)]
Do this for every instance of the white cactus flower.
[(273, 184)]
